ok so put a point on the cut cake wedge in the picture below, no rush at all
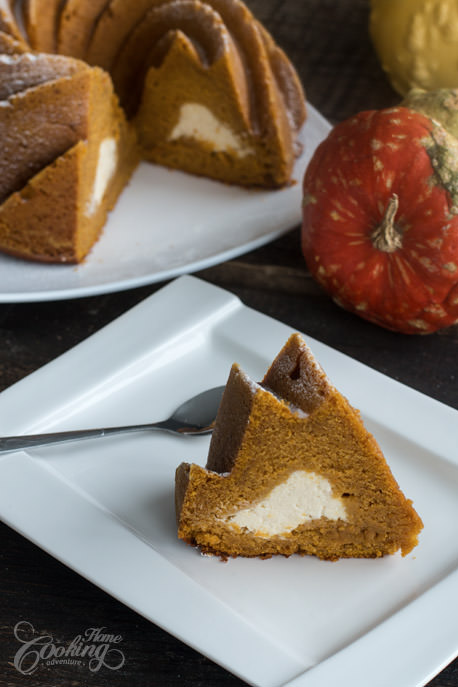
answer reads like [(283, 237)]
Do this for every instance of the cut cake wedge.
[(292, 469)]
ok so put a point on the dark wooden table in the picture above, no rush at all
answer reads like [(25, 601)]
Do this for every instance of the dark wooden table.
[(329, 44)]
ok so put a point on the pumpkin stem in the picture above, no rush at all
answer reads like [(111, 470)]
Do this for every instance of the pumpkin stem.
[(387, 237)]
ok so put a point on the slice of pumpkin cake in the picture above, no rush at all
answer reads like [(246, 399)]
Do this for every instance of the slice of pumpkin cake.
[(292, 469)]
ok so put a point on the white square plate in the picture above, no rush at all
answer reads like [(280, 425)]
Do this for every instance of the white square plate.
[(168, 223), (105, 507)]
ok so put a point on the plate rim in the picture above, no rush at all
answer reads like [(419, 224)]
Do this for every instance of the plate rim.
[(145, 280)]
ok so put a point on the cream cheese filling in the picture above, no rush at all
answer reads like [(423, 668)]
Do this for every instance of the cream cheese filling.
[(198, 122), (304, 496), (106, 167)]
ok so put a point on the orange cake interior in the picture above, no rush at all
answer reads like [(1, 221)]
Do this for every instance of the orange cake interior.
[(292, 469)]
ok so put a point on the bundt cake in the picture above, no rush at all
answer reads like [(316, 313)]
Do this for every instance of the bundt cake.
[(203, 85), (292, 469), (67, 154)]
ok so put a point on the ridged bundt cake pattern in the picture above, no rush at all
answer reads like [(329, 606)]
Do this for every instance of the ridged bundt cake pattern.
[(43, 93), (10, 45), (8, 23), (203, 85)]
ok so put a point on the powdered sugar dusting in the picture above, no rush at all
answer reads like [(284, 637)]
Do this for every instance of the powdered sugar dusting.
[(21, 72), (255, 387)]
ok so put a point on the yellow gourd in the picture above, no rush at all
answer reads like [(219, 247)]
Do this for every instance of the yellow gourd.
[(416, 42)]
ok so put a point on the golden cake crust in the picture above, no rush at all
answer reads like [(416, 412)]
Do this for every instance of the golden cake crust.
[(76, 25), (40, 21)]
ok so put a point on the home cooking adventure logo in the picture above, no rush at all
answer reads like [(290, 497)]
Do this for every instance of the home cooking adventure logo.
[(94, 648)]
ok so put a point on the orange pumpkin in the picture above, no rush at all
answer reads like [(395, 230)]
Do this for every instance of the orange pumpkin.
[(380, 219)]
